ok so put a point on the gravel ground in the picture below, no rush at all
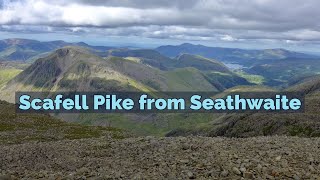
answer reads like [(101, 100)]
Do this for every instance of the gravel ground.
[(164, 158)]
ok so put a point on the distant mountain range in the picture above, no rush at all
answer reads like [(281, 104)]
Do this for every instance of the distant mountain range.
[(232, 55), (28, 50)]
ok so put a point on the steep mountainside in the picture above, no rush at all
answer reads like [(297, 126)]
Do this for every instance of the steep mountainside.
[(76, 69)]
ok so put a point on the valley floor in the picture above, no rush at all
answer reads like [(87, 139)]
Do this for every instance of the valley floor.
[(277, 157)]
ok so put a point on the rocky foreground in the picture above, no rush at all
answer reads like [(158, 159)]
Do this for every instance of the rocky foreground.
[(164, 158)]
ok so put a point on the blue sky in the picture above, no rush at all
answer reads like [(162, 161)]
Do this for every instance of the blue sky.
[(254, 24)]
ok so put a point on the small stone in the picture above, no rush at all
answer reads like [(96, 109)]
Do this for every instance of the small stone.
[(308, 175), (278, 158), (269, 177), (243, 169), (259, 167), (224, 173), (311, 168), (185, 161), (9, 158), (248, 175), (296, 177), (274, 173), (190, 175), (255, 160), (310, 159), (82, 171), (185, 146), (235, 170), (284, 163)]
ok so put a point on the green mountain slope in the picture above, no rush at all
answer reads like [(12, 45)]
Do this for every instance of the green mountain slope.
[(145, 56), (76, 69), (283, 71), (6, 74), (201, 63), (308, 85), (214, 71), (304, 124)]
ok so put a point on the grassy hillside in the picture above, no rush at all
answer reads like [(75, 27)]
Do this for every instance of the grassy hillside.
[(283, 71), (155, 59), (6, 74), (265, 124), (254, 79), (148, 124), (19, 128), (76, 69), (201, 63), (216, 73)]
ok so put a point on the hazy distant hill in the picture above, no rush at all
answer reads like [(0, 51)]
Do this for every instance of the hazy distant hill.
[(145, 56), (155, 59), (234, 55), (280, 72), (26, 49)]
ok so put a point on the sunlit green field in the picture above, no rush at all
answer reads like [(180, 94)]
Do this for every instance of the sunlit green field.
[(255, 79), (7, 74)]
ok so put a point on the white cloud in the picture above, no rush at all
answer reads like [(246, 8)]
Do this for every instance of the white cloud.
[(228, 38), (225, 20)]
